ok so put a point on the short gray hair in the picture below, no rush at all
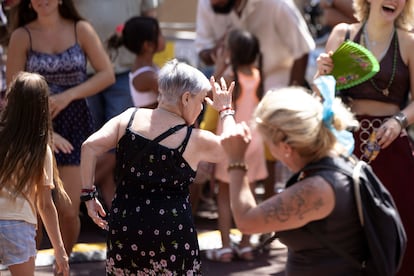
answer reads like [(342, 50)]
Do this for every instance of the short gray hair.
[(176, 77)]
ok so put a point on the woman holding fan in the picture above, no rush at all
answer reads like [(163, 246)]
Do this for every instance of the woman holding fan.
[(381, 103)]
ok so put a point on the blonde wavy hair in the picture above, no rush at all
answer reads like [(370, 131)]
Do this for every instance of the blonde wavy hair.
[(404, 21), (294, 116)]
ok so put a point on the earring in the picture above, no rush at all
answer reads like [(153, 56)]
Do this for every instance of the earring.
[(30, 5), (60, 2)]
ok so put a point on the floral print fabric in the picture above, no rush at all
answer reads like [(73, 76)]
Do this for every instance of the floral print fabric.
[(151, 228), (63, 71)]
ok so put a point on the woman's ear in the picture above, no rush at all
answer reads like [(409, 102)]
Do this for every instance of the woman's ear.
[(148, 46), (287, 149), (185, 98)]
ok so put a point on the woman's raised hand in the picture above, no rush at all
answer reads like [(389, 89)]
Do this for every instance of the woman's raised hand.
[(222, 96)]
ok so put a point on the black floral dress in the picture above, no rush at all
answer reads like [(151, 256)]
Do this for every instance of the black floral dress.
[(151, 228)]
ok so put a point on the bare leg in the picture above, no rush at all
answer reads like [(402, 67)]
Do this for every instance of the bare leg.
[(224, 254), (69, 213), (39, 232), (23, 269), (244, 249), (224, 213)]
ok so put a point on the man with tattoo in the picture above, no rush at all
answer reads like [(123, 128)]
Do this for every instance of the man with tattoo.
[(300, 133)]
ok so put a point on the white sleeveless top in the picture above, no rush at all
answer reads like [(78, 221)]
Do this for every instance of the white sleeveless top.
[(142, 98)]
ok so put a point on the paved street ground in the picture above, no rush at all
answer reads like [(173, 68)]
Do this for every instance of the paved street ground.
[(90, 252)]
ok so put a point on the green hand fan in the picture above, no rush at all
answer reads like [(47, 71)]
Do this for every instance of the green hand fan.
[(353, 64)]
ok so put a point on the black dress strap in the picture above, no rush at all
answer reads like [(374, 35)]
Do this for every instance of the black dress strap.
[(348, 33), (157, 139), (131, 119), (30, 36), (167, 133), (163, 135), (181, 149)]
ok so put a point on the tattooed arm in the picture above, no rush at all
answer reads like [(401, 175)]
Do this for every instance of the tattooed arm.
[(310, 199)]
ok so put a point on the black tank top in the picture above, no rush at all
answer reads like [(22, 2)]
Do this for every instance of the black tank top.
[(306, 255)]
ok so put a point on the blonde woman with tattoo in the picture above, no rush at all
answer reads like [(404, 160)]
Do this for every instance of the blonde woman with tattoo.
[(300, 133)]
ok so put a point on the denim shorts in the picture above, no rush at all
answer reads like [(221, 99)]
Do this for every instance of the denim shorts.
[(17, 242)]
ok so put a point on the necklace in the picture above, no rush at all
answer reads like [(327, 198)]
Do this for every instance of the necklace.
[(385, 91)]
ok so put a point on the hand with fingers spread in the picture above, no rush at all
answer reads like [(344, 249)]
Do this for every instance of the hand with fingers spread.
[(222, 96)]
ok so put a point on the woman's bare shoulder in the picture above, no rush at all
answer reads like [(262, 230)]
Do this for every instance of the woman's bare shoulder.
[(86, 31), (20, 35), (406, 42), (339, 34)]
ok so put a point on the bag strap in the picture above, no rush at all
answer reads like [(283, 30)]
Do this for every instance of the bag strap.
[(356, 173), (356, 177)]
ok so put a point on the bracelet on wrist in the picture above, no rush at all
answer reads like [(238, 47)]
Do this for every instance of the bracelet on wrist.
[(237, 166), (88, 190), (88, 194), (225, 108), (401, 119), (226, 112)]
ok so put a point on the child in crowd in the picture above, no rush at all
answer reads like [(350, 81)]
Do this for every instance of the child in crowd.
[(27, 176), (142, 36), (242, 50), (51, 38)]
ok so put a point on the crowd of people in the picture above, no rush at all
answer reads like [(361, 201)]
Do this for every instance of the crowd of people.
[(101, 116)]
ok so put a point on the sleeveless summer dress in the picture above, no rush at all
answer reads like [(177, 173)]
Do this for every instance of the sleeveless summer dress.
[(151, 228), (63, 71)]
